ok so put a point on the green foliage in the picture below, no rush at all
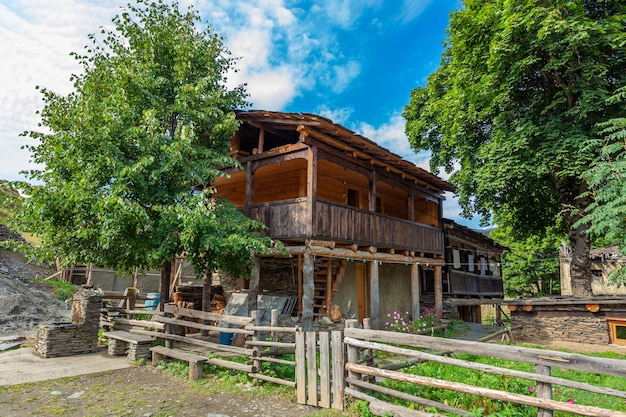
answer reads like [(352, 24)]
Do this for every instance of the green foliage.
[(9, 201), (606, 215), (513, 105), (132, 152), (530, 266), (62, 290)]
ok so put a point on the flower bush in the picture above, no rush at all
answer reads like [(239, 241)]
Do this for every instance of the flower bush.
[(427, 320)]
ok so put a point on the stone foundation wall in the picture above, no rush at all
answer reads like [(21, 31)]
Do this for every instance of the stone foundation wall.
[(565, 322), (75, 337)]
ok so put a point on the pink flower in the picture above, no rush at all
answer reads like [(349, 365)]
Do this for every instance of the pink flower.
[(531, 389), (571, 400)]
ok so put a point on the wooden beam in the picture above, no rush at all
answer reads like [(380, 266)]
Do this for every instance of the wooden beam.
[(344, 253), (374, 294), (308, 291)]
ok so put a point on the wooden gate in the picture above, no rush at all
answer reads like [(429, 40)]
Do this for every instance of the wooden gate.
[(320, 362)]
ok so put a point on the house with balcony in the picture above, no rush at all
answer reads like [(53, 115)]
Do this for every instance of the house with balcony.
[(362, 226), (472, 276)]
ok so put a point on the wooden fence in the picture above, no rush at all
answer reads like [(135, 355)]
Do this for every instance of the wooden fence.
[(362, 377)]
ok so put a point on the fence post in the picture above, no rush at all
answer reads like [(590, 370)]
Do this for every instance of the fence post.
[(544, 390), (324, 369), (339, 372), (353, 352), (256, 337), (274, 323), (311, 368), (300, 366)]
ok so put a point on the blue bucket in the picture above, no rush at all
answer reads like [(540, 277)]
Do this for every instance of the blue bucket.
[(226, 338), (153, 300)]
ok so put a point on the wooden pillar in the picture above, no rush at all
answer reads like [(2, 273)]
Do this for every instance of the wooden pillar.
[(308, 290), (207, 281), (253, 290), (412, 205), (166, 272), (261, 140), (438, 290), (544, 390), (311, 187), (300, 286), (372, 191), (374, 294), (329, 285), (249, 184), (415, 290)]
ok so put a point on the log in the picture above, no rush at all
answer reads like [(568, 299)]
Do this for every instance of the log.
[(203, 315), (197, 342), (361, 255), (201, 326), (498, 333), (286, 382), (408, 397), (386, 407), (565, 360), (486, 392), (270, 344), (423, 356)]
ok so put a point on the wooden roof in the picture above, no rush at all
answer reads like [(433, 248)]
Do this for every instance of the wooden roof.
[(342, 138)]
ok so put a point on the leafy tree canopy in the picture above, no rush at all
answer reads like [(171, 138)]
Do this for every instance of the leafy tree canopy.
[(126, 156), (521, 87)]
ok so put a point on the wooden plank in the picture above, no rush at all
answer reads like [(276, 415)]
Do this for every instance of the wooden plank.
[(301, 367), (242, 367), (485, 392), (270, 344), (352, 351), (374, 293), (286, 382), (203, 315), (544, 390), (338, 361), (324, 369), (311, 368), (197, 342), (200, 326), (178, 354), (272, 329), (408, 397), (127, 337), (553, 358), (423, 356)]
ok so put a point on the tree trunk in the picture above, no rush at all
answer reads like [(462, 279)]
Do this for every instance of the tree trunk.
[(166, 273), (206, 296), (569, 191)]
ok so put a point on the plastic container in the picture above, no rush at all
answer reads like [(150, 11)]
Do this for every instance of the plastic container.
[(153, 300), (226, 338)]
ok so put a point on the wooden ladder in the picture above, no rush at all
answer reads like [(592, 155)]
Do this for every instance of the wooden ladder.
[(328, 275)]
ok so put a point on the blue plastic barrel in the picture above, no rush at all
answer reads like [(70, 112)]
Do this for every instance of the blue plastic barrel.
[(226, 338), (153, 300)]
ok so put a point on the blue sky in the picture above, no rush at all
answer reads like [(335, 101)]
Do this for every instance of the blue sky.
[(353, 61)]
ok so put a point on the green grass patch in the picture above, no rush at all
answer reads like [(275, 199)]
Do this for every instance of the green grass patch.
[(61, 290)]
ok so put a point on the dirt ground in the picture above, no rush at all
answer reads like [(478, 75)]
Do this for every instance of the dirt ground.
[(144, 391)]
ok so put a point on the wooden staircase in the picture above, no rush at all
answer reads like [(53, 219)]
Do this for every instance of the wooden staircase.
[(328, 275)]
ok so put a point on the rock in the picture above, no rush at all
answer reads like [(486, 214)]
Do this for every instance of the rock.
[(75, 395), (335, 313)]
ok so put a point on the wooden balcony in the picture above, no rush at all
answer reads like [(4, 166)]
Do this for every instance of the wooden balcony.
[(293, 220), (467, 283)]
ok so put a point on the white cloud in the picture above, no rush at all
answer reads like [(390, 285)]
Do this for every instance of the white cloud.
[(344, 74), (411, 9), (345, 13), (339, 116)]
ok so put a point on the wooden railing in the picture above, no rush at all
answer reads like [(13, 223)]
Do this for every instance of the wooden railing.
[(466, 283), (364, 380), (291, 219)]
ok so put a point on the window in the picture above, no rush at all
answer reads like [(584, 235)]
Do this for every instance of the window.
[(353, 198), (617, 331)]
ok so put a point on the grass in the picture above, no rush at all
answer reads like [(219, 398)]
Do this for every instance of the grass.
[(61, 290)]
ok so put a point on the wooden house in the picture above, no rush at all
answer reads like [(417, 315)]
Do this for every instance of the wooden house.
[(603, 261), (472, 275), (362, 225)]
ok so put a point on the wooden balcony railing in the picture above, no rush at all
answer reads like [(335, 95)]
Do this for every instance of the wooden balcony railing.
[(467, 283), (290, 219)]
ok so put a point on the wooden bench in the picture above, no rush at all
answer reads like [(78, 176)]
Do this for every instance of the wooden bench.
[(159, 353), (133, 345)]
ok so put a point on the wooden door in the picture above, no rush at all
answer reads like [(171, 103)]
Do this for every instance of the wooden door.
[(361, 290)]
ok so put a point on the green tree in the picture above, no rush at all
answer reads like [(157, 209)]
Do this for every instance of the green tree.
[(521, 86), (530, 266), (606, 215), (128, 156)]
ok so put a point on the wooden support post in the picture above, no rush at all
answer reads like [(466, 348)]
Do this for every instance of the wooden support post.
[(308, 291), (166, 272), (438, 290), (311, 187), (311, 368), (261, 140), (274, 323), (353, 352), (249, 184), (329, 285), (299, 285), (544, 390), (374, 294), (339, 361), (415, 290), (206, 296), (324, 342), (253, 290), (255, 338), (301, 366)]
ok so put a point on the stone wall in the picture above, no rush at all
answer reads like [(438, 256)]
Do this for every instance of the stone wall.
[(75, 337), (573, 321)]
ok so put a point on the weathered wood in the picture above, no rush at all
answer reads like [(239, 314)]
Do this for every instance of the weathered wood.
[(276, 360), (272, 329), (301, 367), (203, 315), (200, 326), (544, 390), (308, 290), (190, 340), (338, 361), (242, 367), (195, 361), (374, 294), (274, 380), (362, 255), (485, 392), (127, 337), (311, 368), (424, 356), (324, 370), (499, 333), (384, 412), (352, 350), (268, 343), (255, 274), (415, 290), (132, 322), (438, 290), (537, 356), (256, 339), (408, 397)]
